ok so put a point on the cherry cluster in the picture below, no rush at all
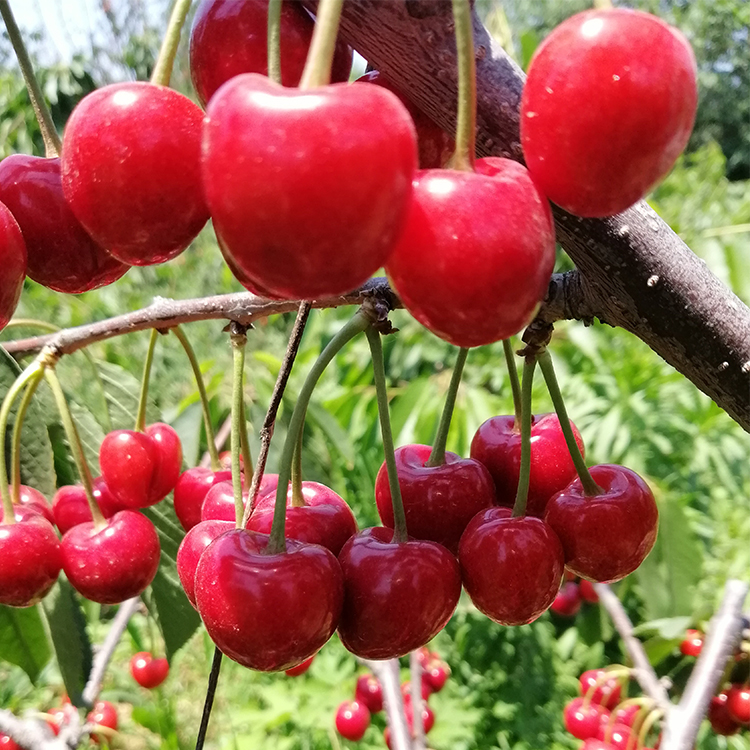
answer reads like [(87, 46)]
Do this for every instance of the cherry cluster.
[(572, 594)]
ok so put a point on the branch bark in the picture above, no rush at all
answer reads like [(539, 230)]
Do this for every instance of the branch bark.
[(387, 673)]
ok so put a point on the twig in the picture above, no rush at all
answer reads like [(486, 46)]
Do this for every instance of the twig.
[(208, 704), (387, 673), (415, 667), (29, 733)]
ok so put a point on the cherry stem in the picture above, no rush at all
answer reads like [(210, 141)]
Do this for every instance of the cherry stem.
[(466, 123), (515, 385), (437, 455), (647, 725), (590, 487), (239, 341), (317, 70), (298, 497), (15, 454), (247, 459), (210, 435), (274, 40), (356, 325), (162, 72), (524, 475), (208, 704), (52, 142), (400, 533), (76, 447), (140, 419)]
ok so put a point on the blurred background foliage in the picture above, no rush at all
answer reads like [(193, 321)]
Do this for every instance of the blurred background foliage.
[(509, 685)]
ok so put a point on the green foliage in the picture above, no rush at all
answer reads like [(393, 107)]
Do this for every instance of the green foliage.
[(23, 640)]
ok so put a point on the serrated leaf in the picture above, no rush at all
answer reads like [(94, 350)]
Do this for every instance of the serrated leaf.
[(23, 639)]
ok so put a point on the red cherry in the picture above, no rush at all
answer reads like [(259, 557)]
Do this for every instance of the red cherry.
[(13, 263), (324, 519), (219, 501), (147, 671), (425, 656), (301, 668), (719, 716), (475, 258), (616, 735), (583, 721), (510, 567), (641, 73), (606, 692), (596, 744), (267, 611), (61, 255), (190, 492), (229, 38), (692, 645), (56, 718), (191, 549), (439, 501), (428, 716), (352, 720), (567, 603), (6, 743), (398, 595), (135, 184), (30, 559), (70, 507), (114, 563), (587, 591), (436, 674), (30, 499), (627, 714), (607, 536), (308, 219), (104, 714), (426, 689), (369, 692), (738, 703), (497, 444)]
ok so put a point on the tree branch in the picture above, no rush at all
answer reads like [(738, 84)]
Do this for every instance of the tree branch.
[(387, 673)]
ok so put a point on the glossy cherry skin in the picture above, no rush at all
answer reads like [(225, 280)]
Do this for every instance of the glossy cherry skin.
[(301, 668), (70, 507), (582, 721), (641, 73), (497, 445), (190, 492), (104, 714), (60, 253), (219, 501), (30, 559), (617, 735), (719, 716), (114, 563), (510, 567), (439, 501), (268, 611), (398, 595), (147, 671), (325, 518), (13, 263), (604, 690), (295, 216), (192, 547), (436, 675), (135, 184), (30, 499), (428, 715), (587, 591), (6, 743), (607, 536), (477, 253), (692, 645), (352, 720), (229, 38), (568, 600), (626, 715), (369, 692), (738, 703)]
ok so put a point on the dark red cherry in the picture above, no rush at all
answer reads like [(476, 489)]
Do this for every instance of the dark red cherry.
[(70, 507), (307, 220), (738, 703), (370, 692), (147, 671), (104, 714), (192, 547), (587, 591), (510, 567), (301, 668), (398, 595), (352, 720), (605, 536), (436, 674), (114, 563), (600, 688), (692, 644), (61, 255), (230, 37), (190, 492), (583, 721), (324, 519), (13, 263), (476, 256), (568, 600), (135, 185), (439, 501), (719, 716), (267, 611), (497, 445)]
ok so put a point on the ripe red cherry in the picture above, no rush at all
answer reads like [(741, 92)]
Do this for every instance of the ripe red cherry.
[(369, 692), (439, 501), (324, 519), (301, 668), (497, 444), (510, 567), (190, 492), (587, 591), (135, 185), (627, 714), (30, 559), (617, 735), (147, 671), (641, 73), (475, 258), (607, 536), (568, 600), (436, 674), (141, 468), (719, 716), (192, 547), (70, 507), (398, 595), (267, 611), (596, 744), (428, 716), (61, 255), (229, 38), (219, 501), (30, 499), (13, 263), (114, 563), (426, 689), (352, 720), (104, 714), (692, 644), (738, 703), (583, 721), (6, 743), (57, 717), (604, 690), (296, 216)]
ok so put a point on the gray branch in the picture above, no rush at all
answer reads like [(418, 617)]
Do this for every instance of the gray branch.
[(387, 673)]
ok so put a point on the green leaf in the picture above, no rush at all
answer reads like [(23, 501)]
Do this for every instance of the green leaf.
[(67, 625), (667, 628), (122, 392), (23, 640), (658, 648)]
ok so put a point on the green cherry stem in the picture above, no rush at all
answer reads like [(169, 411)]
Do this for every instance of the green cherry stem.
[(165, 62), (298, 498), (15, 454), (317, 70), (466, 123), (590, 487), (647, 725), (239, 340), (274, 40), (52, 142), (515, 385), (210, 435), (247, 459), (524, 475), (356, 325), (140, 419), (400, 533), (437, 455)]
